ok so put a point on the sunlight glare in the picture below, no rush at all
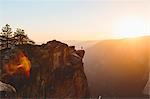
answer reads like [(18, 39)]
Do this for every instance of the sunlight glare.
[(130, 27)]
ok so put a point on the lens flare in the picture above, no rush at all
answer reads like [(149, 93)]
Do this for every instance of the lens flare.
[(20, 61)]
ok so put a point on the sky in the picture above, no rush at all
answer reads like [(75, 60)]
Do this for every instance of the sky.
[(45, 20)]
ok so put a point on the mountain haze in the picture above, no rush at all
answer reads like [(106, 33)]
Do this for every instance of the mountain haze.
[(118, 67)]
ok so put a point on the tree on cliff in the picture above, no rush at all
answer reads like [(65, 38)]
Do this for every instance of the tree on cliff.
[(9, 39), (6, 35), (21, 38)]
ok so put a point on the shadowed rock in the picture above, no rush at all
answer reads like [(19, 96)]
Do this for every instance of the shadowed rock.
[(6, 90)]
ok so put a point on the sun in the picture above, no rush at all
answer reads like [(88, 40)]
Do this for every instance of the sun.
[(130, 27)]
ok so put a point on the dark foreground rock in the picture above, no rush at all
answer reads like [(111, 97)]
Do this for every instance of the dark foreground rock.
[(52, 70)]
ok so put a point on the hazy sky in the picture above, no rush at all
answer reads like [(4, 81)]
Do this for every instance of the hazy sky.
[(77, 19)]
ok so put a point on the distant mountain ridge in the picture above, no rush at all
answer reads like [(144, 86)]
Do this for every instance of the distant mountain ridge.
[(82, 44), (118, 67)]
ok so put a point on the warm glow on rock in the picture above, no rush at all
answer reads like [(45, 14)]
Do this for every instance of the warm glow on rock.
[(25, 64), (21, 61)]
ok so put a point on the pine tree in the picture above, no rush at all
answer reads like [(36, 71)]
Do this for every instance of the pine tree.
[(6, 35), (20, 37)]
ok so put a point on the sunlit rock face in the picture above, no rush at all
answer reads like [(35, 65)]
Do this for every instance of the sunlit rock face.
[(52, 70)]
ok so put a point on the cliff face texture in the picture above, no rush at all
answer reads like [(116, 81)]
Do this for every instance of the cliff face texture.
[(52, 70)]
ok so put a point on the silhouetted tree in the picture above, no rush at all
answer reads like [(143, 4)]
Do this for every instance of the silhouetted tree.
[(18, 38), (21, 38), (6, 35)]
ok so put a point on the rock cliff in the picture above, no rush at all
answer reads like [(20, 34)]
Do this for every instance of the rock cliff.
[(51, 70)]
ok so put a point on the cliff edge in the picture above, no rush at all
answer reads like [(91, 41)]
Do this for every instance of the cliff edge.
[(51, 70)]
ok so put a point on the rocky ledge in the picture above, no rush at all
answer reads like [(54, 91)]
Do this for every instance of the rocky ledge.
[(51, 70)]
